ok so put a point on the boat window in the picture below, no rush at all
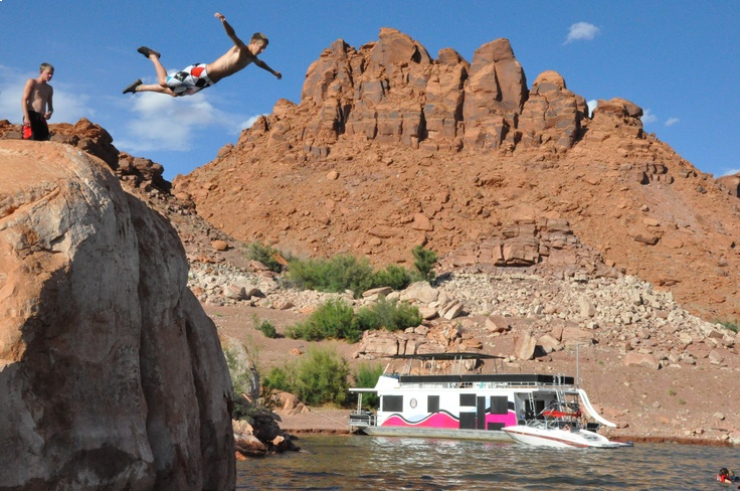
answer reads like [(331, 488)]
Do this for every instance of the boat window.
[(499, 405), (467, 399), (467, 421), (433, 404), (393, 403)]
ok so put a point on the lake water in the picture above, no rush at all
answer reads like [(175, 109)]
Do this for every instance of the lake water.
[(362, 462)]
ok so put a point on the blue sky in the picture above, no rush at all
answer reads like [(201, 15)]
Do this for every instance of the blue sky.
[(675, 59)]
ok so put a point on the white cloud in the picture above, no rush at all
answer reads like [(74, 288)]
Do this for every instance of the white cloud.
[(672, 121), (730, 172), (249, 122), (591, 106), (70, 104), (648, 117), (582, 31), (161, 122)]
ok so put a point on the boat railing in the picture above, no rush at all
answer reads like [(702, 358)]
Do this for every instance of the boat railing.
[(362, 419), (481, 385)]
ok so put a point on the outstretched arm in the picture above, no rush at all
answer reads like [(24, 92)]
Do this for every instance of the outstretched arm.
[(49, 105), (264, 66), (26, 101), (230, 30)]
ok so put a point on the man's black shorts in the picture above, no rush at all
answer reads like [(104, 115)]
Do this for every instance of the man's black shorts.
[(39, 128)]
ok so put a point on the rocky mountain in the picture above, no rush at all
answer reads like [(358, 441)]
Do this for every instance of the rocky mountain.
[(389, 148), (111, 374)]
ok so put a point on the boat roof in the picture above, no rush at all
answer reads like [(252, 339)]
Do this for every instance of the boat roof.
[(499, 378), (462, 355)]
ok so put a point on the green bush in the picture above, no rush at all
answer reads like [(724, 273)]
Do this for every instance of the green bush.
[(333, 319), (266, 255), (393, 276), (367, 376), (340, 273), (346, 272), (424, 260), (320, 377), (337, 320), (732, 326), (266, 327), (277, 379), (391, 315)]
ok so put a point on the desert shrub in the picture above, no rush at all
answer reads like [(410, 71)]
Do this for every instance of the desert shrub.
[(266, 255), (731, 326), (393, 276), (337, 320), (424, 260), (391, 315), (367, 376), (266, 327), (340, 273), (277, 379), (319, 377), (332, 319), (346, 272)]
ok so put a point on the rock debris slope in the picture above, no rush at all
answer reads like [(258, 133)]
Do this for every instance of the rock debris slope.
[(389, 148)]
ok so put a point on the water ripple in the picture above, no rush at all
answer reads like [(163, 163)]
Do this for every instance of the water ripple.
[(347, 463)]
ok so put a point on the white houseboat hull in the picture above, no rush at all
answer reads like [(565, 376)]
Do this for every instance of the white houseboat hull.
[(455, 434)]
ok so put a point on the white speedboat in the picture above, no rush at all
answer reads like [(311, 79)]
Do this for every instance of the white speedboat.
[(559, 426)]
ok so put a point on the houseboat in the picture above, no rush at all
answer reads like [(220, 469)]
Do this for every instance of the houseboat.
[(419, 401)]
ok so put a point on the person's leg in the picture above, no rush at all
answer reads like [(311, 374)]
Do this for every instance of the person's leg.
[(38, 126), (161, 72), (155, 88)]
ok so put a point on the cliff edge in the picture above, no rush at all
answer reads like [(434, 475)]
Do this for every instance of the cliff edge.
[(112, 375)]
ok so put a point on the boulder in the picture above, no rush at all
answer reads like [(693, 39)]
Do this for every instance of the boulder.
[(549, 344), (641, 359), (524, 347), (497, 323), (112, 375), (421, 291), (220, 245)]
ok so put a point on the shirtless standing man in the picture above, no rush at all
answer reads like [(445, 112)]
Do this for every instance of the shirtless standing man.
[(37, 104), (201, 75)]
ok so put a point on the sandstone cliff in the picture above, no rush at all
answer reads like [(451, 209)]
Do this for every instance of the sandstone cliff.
[(112, 375), (389, 148)]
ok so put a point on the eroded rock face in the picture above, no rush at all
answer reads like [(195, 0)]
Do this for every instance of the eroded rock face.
[(112, 375), (389, 149), (494, 94), (552, 113), (393, 92)]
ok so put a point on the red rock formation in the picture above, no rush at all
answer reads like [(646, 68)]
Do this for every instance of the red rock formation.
[(496, 164), (494, 95), (96, 141), (111, 374), (552, 114)]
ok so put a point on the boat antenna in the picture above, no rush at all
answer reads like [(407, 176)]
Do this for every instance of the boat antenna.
[(578, 376)]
